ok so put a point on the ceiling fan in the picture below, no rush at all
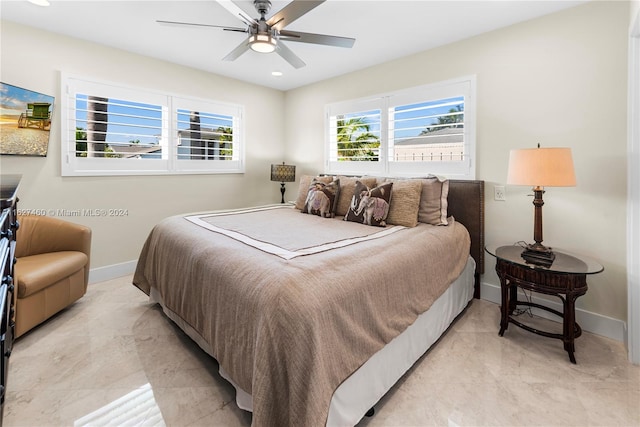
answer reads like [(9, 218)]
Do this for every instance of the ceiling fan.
[(267, 35)]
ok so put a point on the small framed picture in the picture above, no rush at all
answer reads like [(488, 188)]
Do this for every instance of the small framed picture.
[(25, 121)]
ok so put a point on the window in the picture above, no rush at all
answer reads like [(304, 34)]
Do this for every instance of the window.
[(357, 136), (428, 129), (112, 130), (204, 136)]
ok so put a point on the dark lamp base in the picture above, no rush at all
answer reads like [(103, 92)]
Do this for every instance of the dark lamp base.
[(539, 255)]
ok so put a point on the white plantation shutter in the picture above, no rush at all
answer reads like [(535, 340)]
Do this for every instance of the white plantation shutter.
[(355, 136), (210, 136), (145, 132), (364, 142), (133, 129), (207, 135), (422, 130), (414, 142)]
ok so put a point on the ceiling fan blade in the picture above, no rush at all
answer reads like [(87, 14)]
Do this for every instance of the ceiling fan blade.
[(194, 24), (236, 11), (288, 55), (291, 12), (239, 30), (297, 36), (235, 53)]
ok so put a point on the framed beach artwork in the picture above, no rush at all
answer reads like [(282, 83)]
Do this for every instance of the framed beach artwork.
[(25, 121)]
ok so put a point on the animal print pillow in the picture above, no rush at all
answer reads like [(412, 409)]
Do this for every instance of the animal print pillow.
[(370, 206), (303, 188), (322, 198), (347, 187)]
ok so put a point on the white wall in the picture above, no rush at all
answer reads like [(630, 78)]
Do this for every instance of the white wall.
[(559, 80), (33, 59)]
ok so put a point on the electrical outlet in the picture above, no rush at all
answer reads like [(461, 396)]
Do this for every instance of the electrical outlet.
[(498, 193)]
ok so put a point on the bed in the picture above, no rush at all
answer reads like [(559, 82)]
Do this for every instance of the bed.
[(313, 319)]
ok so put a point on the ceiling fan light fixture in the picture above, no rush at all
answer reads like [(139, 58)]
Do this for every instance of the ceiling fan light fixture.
[(263, 43)]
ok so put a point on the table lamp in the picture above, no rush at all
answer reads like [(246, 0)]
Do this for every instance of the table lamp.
[(283, 173), (540, 167)]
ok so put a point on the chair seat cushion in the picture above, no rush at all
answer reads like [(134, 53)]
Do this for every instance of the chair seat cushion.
[(36, 272)]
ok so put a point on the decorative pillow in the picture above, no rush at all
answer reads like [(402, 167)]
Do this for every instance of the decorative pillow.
[(433, 201), (303, 189), (322, 198), (370, 205), (347, 188), (403, 209), (379, 179)]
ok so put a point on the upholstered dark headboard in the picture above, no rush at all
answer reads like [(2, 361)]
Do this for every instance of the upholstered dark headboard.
[(466, 204)]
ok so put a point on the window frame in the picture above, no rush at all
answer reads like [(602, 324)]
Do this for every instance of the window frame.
[(168, 164), (462, 86)]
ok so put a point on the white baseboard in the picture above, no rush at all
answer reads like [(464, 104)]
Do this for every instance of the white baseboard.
[(588, 321), (110, 272)]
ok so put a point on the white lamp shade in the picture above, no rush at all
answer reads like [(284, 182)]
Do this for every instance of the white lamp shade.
[(544, 167)]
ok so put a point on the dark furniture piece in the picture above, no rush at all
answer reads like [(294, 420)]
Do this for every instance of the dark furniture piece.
[(565, 278), (8, 227), (466, 204)]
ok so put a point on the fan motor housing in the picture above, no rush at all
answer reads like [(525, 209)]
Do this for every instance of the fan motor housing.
[(262, 6)]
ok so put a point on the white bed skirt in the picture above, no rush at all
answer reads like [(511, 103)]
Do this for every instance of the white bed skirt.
[(362, 390)]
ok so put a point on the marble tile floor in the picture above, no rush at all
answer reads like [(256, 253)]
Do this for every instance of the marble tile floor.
[(114, 359)]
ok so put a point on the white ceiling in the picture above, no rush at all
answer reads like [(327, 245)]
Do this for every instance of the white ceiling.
[(384, 30)]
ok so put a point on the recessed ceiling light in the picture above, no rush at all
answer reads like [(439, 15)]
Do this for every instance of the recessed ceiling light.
[(276, 73), (40, 2)]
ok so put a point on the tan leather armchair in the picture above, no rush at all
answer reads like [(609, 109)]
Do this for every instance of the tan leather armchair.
[(52, 270)]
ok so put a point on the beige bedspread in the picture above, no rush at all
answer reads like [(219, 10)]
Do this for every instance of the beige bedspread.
[(290, 330)]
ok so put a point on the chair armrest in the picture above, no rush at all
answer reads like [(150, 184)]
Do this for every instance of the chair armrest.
[(43, 234)]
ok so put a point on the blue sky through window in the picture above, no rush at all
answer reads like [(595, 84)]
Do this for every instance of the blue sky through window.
[(208, 121), (128, 121), (411, 120)]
